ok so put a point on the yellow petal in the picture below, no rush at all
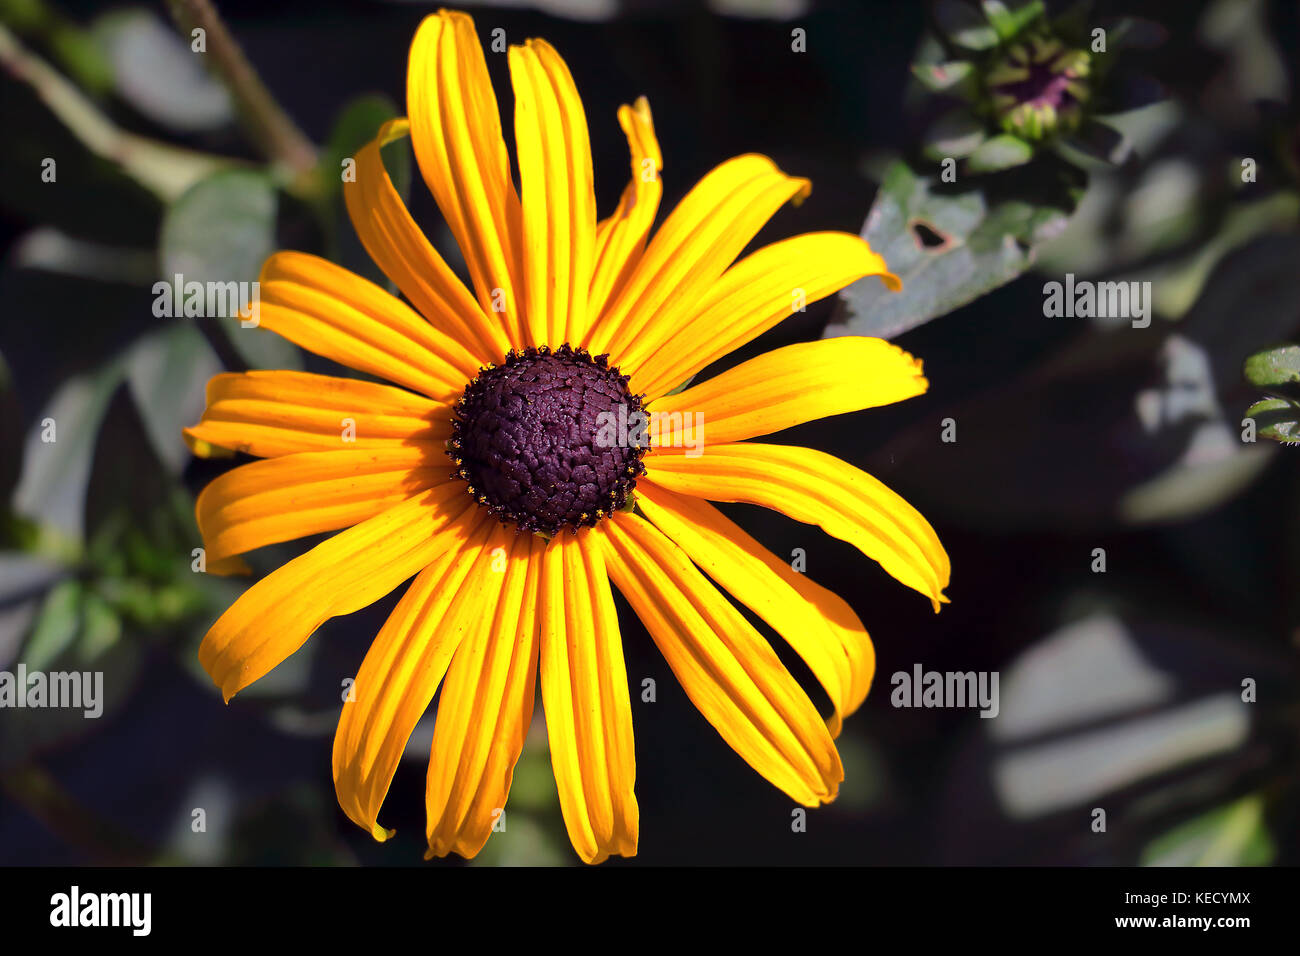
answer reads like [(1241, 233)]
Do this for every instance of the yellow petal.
[(754, 295), (584, 692), (293, 496), (486, 705), (342, 574), (404, 666), (816, 488), (456, 134), (620, 239), (335, 313), (559, 206), (724, 665), (693, 247), (401, 250), (279, 413), (785, 387), (817, 623)]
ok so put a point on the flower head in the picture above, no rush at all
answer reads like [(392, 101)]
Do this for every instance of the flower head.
[(1012, 84), (1037, 87), (483, 472)]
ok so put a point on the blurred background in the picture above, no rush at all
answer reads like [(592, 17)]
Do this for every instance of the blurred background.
[(1124, 554)]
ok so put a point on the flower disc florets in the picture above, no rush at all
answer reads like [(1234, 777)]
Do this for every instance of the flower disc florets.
[(532, 439), (1038, 88)]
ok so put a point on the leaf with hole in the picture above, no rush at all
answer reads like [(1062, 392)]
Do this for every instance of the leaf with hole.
[(948, 247)]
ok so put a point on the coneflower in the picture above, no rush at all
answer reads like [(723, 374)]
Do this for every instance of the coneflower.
[(482, 471)]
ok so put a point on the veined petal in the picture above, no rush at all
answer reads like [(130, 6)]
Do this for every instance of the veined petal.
[(698, 241), (335, 313), (345, 573), (559, 205), (724, 665), (404, 666), (456, 134), (754, 295), (406, 256), (584, 692), (620, 239), (293, 496), (788, 386), (817, 623), (485, 706), (817, 488), (279, 413)]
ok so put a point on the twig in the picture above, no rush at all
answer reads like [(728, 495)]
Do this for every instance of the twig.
[(270, 127), (165, 170)]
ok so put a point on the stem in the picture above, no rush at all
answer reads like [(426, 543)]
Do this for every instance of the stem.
[(270, 127), (165, 170), (36, 791)]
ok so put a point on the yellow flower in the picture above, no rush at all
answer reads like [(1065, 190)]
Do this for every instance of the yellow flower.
[(499, 393)]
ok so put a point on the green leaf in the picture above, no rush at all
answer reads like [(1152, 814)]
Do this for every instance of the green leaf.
[(76, 632), (25, 581), (1276, 419), (58, 451), (1009, 17), (956, 134), (57, 624), (955, 76), (355, 126), (1231, 835), (77, 51), (221, 230), (964, 25), (136, 529), (167, 372), (948, 248), (999, 153), (101, 628), (1276, 368), (153, 69)]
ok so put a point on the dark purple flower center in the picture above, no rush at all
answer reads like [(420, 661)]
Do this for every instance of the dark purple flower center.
[(539, 442), (1043, 86)]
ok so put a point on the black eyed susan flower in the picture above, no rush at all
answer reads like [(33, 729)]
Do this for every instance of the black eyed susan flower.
[(486, 470)]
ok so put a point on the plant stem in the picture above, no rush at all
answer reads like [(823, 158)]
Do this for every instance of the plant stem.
[(269, 126), (163, 169), (36, 790)]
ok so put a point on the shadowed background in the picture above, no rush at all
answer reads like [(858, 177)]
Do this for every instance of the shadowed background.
[(1119, 690)]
